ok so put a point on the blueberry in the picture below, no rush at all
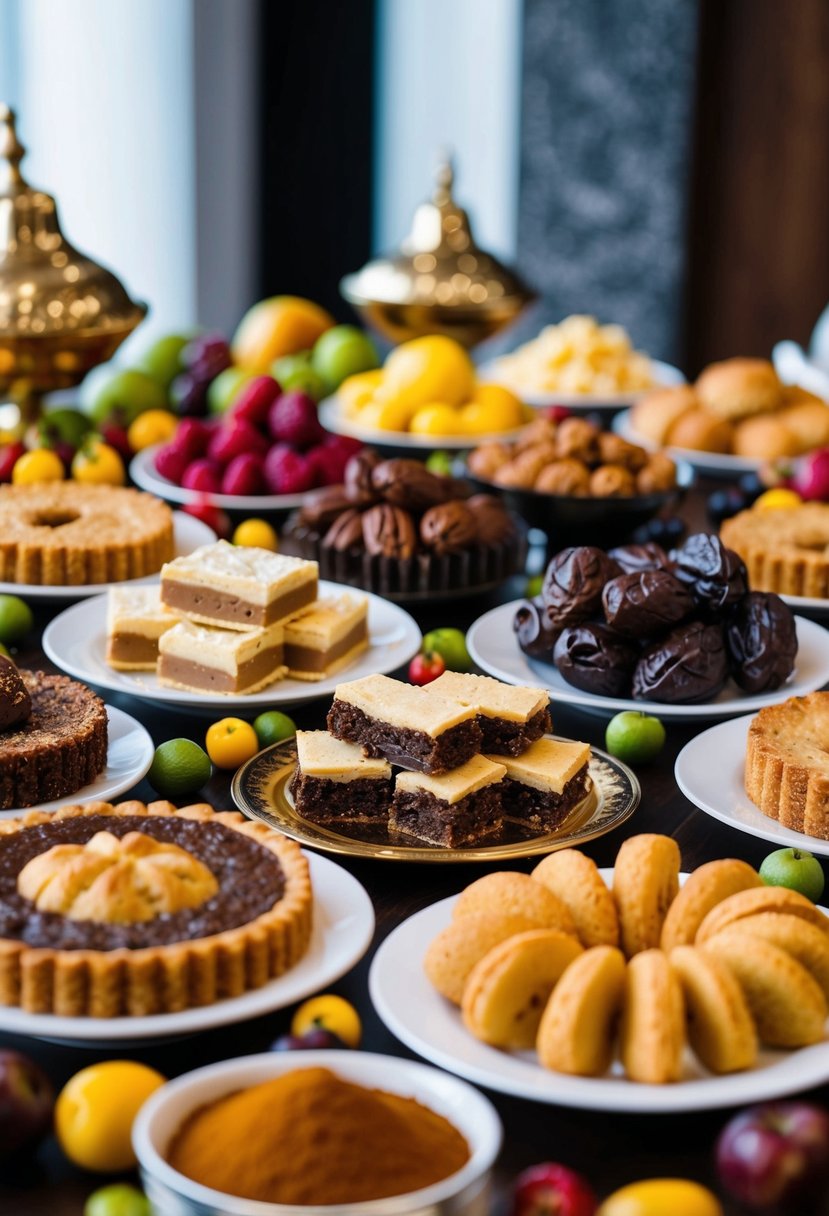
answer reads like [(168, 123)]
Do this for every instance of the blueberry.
[(752, 486)]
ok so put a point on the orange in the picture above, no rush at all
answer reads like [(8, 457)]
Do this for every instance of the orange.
[(329, 1012), (281, 325), (153, 426), (95, 1112), (428, 369), (231, 742), (773, 500), (97, 464), (256, 534), (661, 1197)]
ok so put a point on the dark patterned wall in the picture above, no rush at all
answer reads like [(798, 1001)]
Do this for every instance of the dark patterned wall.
[(606, 135)]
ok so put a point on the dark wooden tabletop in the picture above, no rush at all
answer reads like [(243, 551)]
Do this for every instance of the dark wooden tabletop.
[(611, 1149)]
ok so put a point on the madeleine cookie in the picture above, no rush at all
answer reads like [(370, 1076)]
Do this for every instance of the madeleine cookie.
[(705, 888), (575, 879), (463, 943), (804, 942), (507, 891), (645, 882), (720, 1025), (785, 1002), (577, 1029), (653, 1020), (762, 899), (506, 992)]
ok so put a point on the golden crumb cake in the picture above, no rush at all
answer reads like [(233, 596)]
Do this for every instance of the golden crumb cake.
[(326, 636), (510, 718), (785, 550), (407, 725), (335, 783), (545, 782), (62, 533), (220, 660), (136, 619), (787, 763), (237, 587), (454, 808)]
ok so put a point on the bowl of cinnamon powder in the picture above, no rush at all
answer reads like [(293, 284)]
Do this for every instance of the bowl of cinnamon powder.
[(332, 1133)]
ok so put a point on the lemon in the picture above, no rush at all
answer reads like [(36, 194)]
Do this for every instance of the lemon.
[(16, 620), (329, 1012), (493, 408), (773, 500), (358, 390), (256, 534), (179, 768), (154, 426), (437, 419), (231, 742), (98, 464), (95, 1112), (392, 414), (433, 368), (40, 465)]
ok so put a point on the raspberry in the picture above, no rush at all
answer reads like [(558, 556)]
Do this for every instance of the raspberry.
[(293, 419), (255, 400), (214, 517), (244, 475), (171, 462), (204, 475), (234, 439), (286, 472), (192, 437)]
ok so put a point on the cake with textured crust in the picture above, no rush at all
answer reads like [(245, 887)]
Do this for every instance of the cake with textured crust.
[(326, 636), (545, 783), (247, 921), (62, 533), (335, 783), (787, 763), (785, 550), (450, 809), (220, 660), (510, 718), (136, 619)]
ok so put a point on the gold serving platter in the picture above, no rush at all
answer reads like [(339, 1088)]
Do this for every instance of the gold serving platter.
[(260, 790)]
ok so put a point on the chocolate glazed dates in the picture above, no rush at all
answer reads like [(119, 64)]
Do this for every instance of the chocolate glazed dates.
[(762, 642), (594, 658), (687, 666)]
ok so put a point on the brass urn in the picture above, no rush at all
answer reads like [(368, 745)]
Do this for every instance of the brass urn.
[(61, 314), (440, 281)]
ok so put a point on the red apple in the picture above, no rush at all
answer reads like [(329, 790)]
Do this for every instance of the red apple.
[(811, 476), (551, 1189), (775, 1155), (426, 667), (26, 1102)]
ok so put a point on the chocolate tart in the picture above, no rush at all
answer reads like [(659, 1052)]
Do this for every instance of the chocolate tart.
[(786, 550), (102, 946), (59, 749), (787, 763), (66, 534)]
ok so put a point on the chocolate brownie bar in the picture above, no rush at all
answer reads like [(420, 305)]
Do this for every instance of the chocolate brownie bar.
[(457, 808), (510, 718), (335, 783), (543, 785)]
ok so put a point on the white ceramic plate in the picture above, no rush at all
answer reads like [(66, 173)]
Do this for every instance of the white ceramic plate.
[(129, 756), (143, 473), (76, 642), (713, 463), (189, 533), (665, 374), (709, 771), (429, 1025), (331, 417), (343, 928), (807, 603), (492, 645)]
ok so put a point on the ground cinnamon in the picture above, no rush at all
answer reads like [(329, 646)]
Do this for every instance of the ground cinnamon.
[(309, 1137)]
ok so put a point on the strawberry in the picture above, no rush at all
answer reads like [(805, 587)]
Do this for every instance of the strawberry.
[(255, 400), (328, 465), (293, 419), (192, 436), (244, 475), (287, 472), (234, 439), (170, 462), (204, 475)]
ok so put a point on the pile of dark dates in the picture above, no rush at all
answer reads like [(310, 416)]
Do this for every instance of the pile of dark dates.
[(639, 622)]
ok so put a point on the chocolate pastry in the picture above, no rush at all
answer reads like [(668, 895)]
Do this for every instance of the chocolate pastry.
[(346, 532), (531, 628), (448, 528), (645, 603), (761, 641), (357, 476), (594, 658), (715, 576), (15, 702), (408, 484), (321, 507), (633, 558), (573, 584), (495, 525), (689, 665), (389, 531)]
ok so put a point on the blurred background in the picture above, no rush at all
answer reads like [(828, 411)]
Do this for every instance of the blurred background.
[(660, 163)]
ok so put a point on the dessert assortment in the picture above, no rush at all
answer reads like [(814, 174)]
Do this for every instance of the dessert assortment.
[(631, 973), (738, 407), (674, 627)]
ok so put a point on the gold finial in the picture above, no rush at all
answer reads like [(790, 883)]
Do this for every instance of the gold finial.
[(444, 177), (11, 149)]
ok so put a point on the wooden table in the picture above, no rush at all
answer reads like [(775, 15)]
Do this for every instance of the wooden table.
[(611, 1149)]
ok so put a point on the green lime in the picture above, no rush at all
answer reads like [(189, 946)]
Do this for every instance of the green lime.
[(440, 463), (297, 372), (64, 426), (179, 768), (450, 644), (117, 1200), (16, 620), (123, 395), (634, 737), (162, 360), (273, 727), (223, 390), (343, 351), (795, 869)]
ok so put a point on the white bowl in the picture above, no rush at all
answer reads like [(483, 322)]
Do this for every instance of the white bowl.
[(465, 1193)]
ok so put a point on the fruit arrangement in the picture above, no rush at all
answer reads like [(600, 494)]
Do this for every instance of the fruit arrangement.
[(428, 387)]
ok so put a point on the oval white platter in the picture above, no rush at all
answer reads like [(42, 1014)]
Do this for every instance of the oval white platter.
[(143, 473), (665, 376), (332, 418), (715, 464)]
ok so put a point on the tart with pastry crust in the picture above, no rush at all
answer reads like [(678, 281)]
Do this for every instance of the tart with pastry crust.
[(787, 763), (785, 550), (138, 909)]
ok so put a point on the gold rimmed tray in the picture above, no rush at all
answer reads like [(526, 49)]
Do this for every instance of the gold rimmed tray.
[(260, 790)]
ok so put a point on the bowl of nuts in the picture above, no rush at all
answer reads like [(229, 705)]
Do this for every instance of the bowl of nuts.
[(578, 483)]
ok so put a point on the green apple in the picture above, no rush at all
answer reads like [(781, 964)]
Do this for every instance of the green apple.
[(440, 463), (634, 737), (796, 869), (297, 371), (450, 644), (162, 360), (272, 727), (223, 390), (64, 426), (119, 1199), (122, 396), (342, 352)]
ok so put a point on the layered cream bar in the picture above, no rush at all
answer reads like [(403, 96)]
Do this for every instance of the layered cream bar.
[(405, 724), (237, 587), (326, 636), (335, 783), (510, 718), (220, 660), (136, 619), (455, 808), (544, 784)]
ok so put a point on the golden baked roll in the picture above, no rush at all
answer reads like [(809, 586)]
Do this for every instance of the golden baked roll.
[(653, 416), (738, 388), (765, 437), (701, 431), (808, 421)]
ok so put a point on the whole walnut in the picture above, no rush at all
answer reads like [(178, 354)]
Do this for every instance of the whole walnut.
[(540, 430), (357, 476), (408, 484), (494, 523), (486, 460), (389, 531), (570, 477), (448, 527), (346, 532), (522, 470), (613, 449), (658, 475), (612, 481), (578, 438)]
